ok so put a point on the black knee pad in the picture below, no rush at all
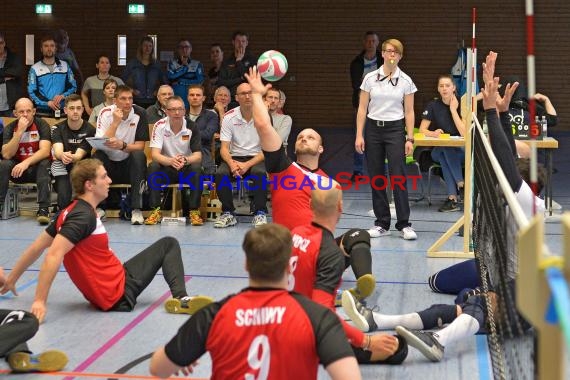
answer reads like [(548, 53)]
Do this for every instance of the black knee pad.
[(363, 356), (353, 237), (476, 307), (438, 315)]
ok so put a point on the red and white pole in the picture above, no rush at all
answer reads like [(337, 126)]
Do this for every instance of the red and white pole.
[(531, 79)]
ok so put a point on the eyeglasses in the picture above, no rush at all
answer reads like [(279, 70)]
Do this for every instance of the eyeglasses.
[(176, 109), (393, 82), (245, 93), (390, 51)]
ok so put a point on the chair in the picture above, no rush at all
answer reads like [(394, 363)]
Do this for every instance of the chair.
[(432, 167), (411, 161)]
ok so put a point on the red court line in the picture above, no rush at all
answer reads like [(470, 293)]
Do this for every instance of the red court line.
[(117, 337), (101, 375)]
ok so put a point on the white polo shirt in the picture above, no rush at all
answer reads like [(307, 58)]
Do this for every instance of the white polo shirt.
[(387, 100), (170, 143), (241, 134), (126, 131)]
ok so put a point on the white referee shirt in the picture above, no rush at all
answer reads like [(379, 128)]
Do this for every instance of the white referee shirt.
[(170, 143), (387, 100), (241, 134)]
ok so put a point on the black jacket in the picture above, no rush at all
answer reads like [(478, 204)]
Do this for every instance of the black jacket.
[(356, 70), (13, 67)]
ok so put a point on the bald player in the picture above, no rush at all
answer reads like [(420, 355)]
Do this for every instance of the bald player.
[(290, 197), (316, 266)]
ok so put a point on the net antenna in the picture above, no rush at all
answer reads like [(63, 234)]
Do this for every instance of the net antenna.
[(531, 79)]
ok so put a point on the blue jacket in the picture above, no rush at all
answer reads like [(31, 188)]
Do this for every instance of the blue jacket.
[(144, 79), (181, 76), (43, 85)]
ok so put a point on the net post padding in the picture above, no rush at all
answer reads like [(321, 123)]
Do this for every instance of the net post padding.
[(533, 296)]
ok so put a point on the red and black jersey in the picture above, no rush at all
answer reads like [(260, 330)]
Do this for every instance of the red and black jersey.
[(316, 264), (252, 332), (30, 141), (289, 195), (91, 264), (316, 267)]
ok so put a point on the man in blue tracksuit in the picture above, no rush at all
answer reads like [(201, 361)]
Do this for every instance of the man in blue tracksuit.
[(184, 71), (50, 80)]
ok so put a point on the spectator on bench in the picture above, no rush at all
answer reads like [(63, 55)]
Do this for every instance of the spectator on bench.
[(109, 87), (126, 128), (176, 152), (69, 146), (207, 122), (25, 151)]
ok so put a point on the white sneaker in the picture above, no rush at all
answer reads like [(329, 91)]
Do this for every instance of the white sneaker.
[(259, 219), (408, 233), (378, 231), (101, 213), (137, 218), (225, 220)]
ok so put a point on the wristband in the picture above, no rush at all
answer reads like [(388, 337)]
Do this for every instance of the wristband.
[(185, 161), (410, 139), (367, 345), (124, 146)]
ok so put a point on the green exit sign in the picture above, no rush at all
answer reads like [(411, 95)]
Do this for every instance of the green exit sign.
[(42, 9), (137, 9)]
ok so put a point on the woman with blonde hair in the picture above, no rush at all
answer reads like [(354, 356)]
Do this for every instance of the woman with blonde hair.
[(386, 108)]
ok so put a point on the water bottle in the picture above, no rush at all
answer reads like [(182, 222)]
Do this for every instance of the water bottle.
[(538, 131), (544, 125)]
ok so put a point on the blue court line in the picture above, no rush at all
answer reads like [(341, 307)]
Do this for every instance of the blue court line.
[(146, 243), (485, 370), (19, 289), (223, 276)]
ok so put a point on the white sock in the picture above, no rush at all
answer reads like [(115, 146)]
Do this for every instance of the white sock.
[(463, 326), (389, 322)]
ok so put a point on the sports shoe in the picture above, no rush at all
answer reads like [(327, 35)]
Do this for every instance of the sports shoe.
[(195, 218), (43, 216), (47, 361), (424, 341), (365, 285), (102, 214), (362, 316), (259, 219), (154, 218), (408, 233), (137, 218), (378, 231), (449, 205), (186, 305), (225, 220)]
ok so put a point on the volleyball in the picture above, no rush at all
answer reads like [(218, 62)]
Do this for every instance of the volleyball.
[(272, 65)]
